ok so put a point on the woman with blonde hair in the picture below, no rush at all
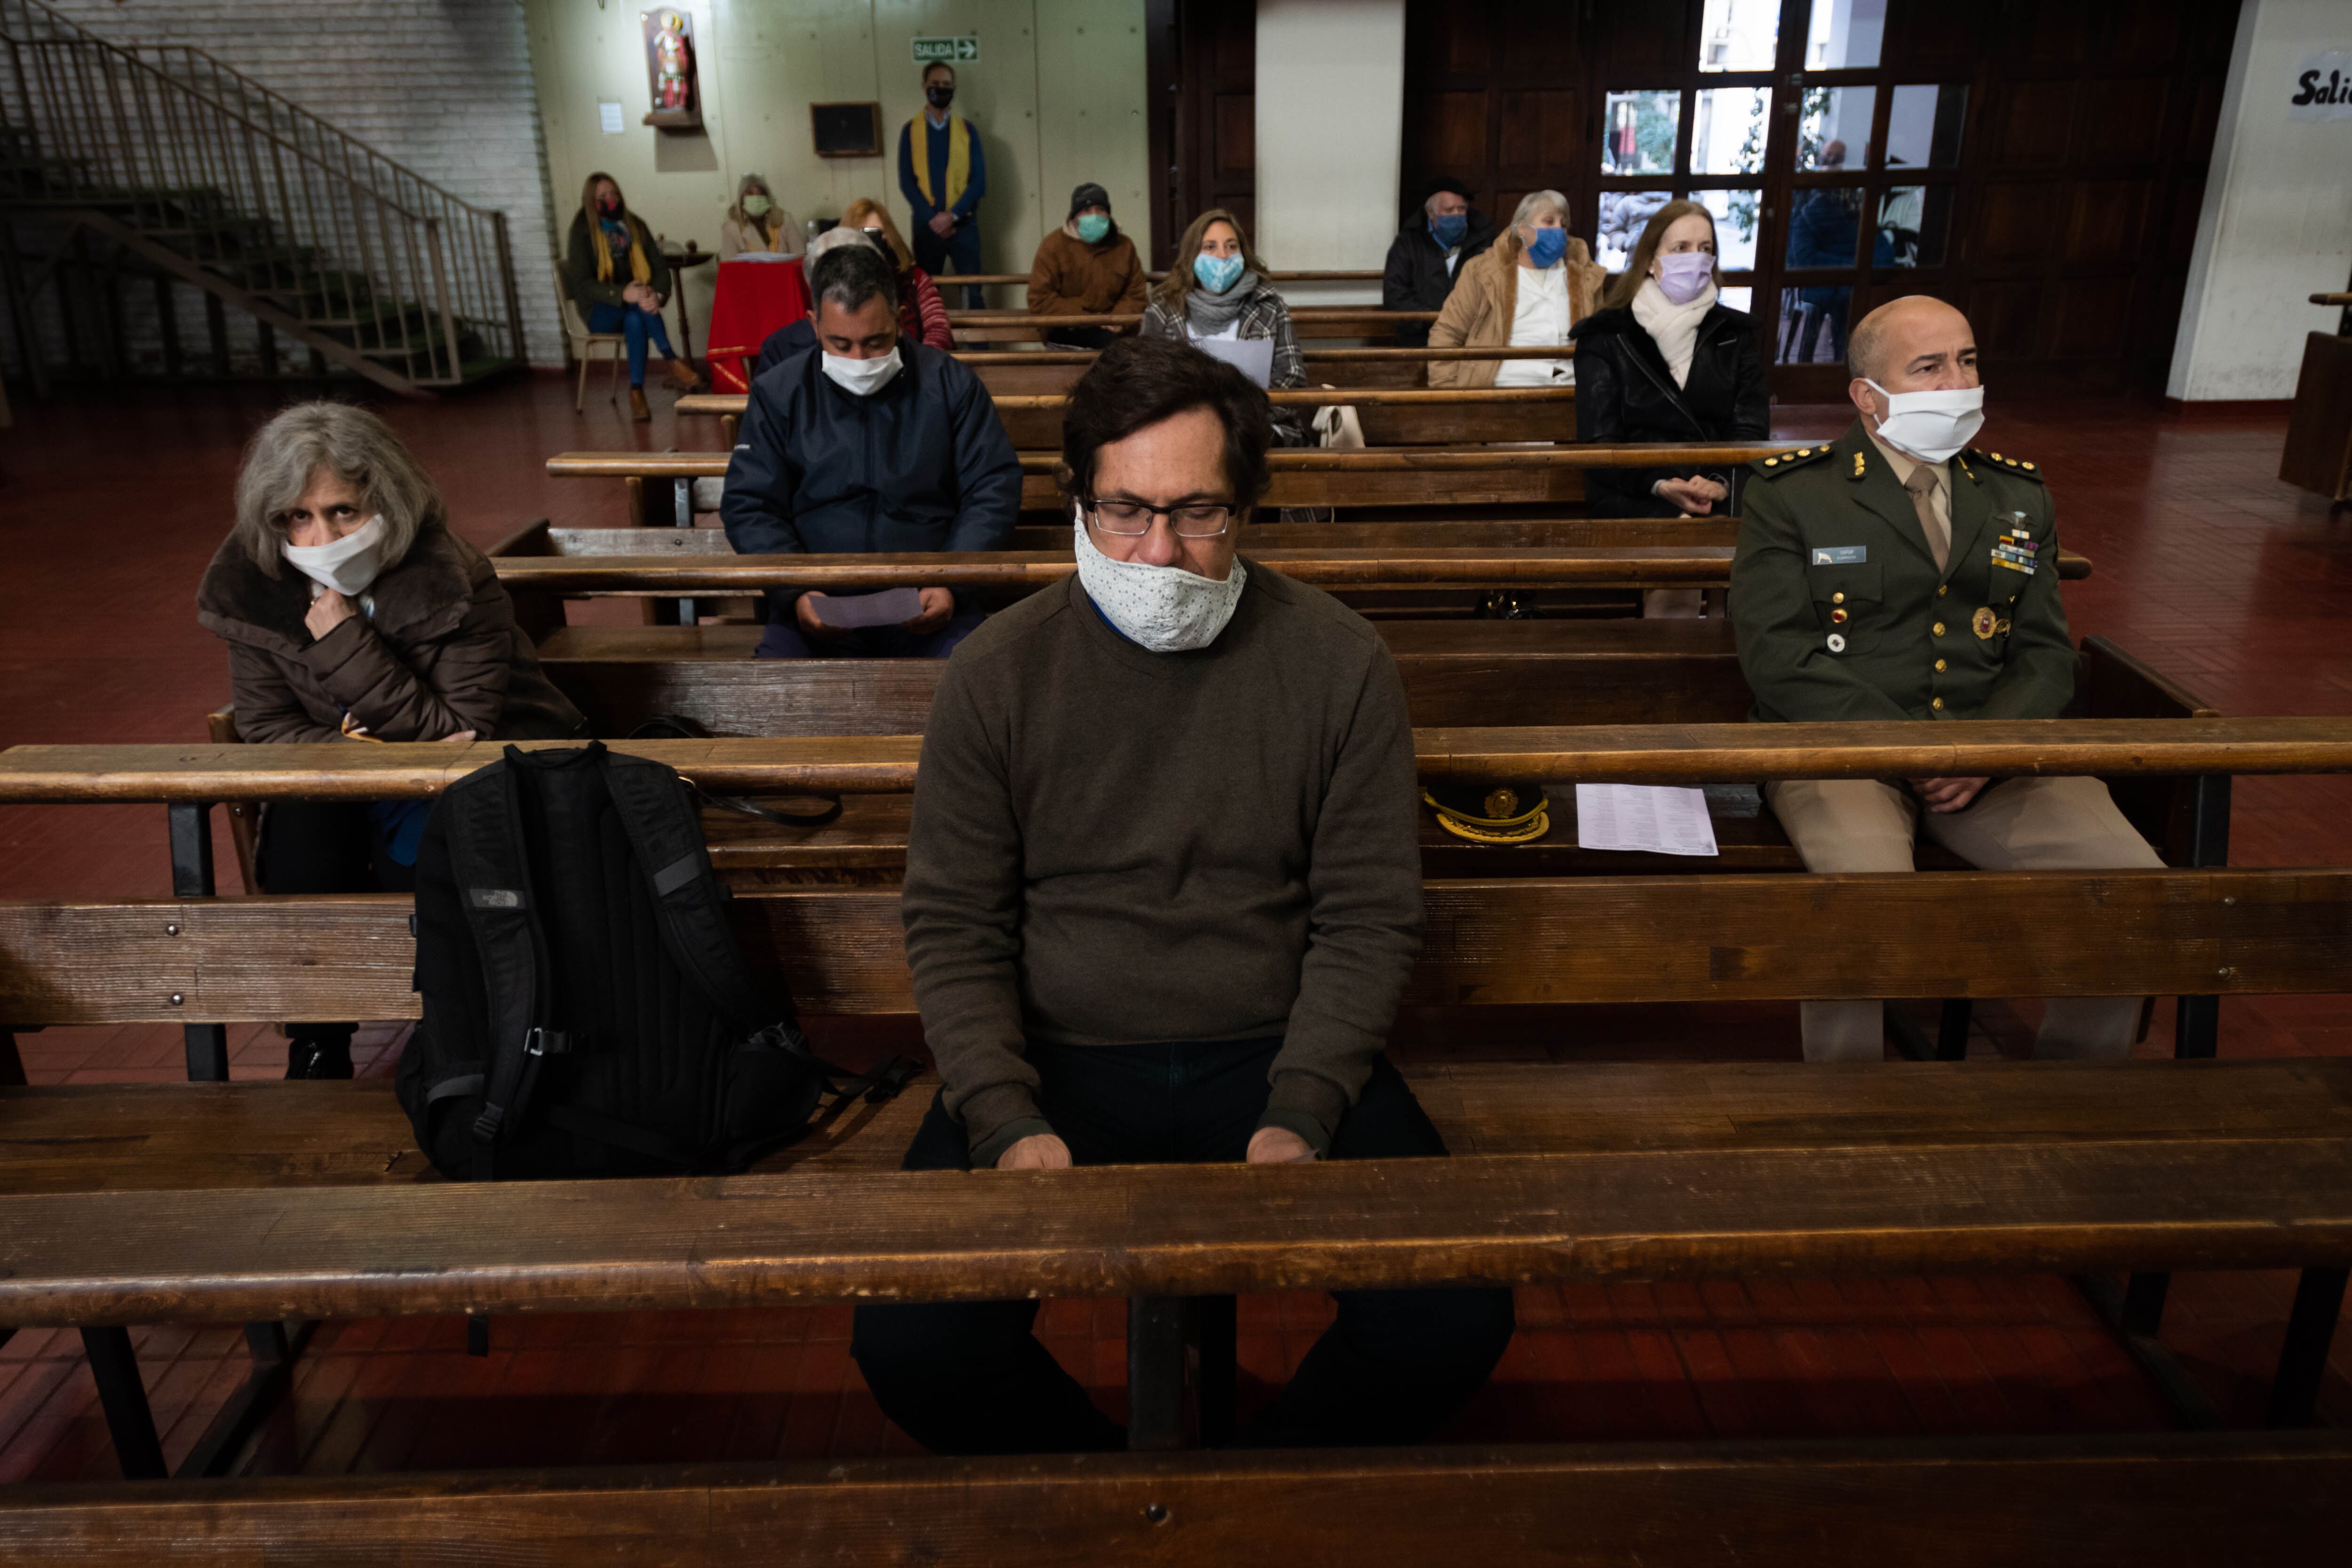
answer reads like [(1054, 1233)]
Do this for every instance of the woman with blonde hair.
[(1664, 359), (757, 223), (922, 314), (387, 627), (1218, 291), (1537, 283), (614, 270)]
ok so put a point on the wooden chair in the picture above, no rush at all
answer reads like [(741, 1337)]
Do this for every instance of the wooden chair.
[(585, 344)]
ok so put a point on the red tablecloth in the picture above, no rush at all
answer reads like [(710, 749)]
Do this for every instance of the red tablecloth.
[(753, 299)]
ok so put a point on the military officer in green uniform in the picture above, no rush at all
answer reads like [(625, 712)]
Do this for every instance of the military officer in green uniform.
[(1897, 573)]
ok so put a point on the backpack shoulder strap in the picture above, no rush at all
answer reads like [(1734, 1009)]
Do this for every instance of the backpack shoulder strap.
[(493, 874), (656, 809)]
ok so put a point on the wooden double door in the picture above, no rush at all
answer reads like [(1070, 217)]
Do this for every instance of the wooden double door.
[(2041, 164)]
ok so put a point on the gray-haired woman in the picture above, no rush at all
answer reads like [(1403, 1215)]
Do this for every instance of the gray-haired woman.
[(387, 628)]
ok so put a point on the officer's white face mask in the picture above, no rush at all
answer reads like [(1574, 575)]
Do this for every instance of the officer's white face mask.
[(862, 377), (1931, 425), (347, 565), (1164, 608)]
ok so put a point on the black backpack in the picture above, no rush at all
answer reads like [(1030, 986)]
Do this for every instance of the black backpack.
[(587, 1011)]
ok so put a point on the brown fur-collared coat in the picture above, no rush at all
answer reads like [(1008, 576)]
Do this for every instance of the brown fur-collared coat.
[(441, 653)]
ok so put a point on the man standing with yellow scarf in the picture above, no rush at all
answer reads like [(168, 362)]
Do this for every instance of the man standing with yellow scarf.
[(943, 175)]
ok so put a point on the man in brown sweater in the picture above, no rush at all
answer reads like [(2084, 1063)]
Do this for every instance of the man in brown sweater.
[(1163, 890), (1085, 267)]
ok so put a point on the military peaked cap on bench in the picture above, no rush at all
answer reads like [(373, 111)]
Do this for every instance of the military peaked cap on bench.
[(1486, 812)]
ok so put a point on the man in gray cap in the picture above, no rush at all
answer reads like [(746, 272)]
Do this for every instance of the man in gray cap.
[(1085, 267), (1428, 254)]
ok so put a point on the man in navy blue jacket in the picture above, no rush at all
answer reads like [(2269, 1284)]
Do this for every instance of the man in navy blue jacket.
[(868, 444)]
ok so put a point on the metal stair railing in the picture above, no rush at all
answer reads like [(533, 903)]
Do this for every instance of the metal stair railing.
[(277, 204)]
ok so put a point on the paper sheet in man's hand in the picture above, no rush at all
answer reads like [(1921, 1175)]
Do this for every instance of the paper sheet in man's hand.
[(890, 608), (1660, 820)]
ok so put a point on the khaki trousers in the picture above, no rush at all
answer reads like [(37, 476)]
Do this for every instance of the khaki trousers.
[(2014, 825)]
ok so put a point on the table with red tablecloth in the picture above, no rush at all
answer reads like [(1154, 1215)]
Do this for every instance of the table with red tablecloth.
[(754, 299)]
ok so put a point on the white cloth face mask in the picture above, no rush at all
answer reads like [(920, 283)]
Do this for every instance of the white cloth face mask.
[(862, 378), (1931, 426), (347, 565), (1164, 608)]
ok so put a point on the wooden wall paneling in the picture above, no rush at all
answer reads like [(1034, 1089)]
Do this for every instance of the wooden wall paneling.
[(2105, 223), (2119, 121), (1929, 38)]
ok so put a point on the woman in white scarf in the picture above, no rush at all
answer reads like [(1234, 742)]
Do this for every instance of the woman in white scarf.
[(1663, 359)]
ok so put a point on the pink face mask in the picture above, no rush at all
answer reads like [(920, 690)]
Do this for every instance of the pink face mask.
[(1684, 276)]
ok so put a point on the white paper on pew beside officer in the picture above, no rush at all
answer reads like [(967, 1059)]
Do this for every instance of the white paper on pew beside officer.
[(847, 612), (1657, 819), (763, 256), (1254, 357)]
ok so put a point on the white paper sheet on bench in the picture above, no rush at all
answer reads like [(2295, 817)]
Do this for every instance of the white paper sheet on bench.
[(1660, 820), (891, 607)]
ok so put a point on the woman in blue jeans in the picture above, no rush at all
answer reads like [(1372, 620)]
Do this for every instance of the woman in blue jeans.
[(616, 272)]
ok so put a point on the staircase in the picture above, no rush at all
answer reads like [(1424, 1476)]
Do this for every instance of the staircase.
[(159, 160)]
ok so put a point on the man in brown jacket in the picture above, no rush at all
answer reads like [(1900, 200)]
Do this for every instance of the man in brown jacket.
[(1085, 267), (1162, 894)]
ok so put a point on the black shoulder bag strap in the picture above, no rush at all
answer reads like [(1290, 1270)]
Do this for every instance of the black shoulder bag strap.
[(486, 852), (655, 807)]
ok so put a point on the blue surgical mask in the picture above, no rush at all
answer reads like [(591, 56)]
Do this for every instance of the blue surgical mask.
[(1448, 231), (1547, 246), (1217, 273), (1093, 227)]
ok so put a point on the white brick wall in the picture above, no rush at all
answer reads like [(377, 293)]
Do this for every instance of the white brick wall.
[(442, 86)]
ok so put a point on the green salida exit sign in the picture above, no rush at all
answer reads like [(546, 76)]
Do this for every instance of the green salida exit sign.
[(950, 51)]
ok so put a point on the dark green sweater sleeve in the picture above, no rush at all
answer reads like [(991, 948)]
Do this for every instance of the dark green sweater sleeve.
[(1783, 648), (961, 908), (2037, 677), (1365, 923)]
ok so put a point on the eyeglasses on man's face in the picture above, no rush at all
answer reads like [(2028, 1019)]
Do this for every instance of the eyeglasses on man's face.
[(1132, 519)]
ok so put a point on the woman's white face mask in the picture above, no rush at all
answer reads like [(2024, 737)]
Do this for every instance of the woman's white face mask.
[(348, 564), (1164, 608)]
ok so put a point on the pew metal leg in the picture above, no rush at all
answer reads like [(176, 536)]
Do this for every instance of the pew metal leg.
[(682, 514), (2196, 1036), (192, 877), (2302, 1360), (11, 1063), (275, 1347), (2117, 1306), (1155, 1373), (1180, 1360), (114, 1366), (1952, 1029), (1217, 1368)]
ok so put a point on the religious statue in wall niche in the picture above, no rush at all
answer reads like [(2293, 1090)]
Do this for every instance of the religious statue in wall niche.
[(669, 68)]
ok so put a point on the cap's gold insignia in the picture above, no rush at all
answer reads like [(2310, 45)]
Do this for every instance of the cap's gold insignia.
[(1503, 802)]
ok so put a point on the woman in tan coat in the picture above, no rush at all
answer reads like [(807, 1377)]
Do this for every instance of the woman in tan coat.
[(1537, 283), (350, 611)]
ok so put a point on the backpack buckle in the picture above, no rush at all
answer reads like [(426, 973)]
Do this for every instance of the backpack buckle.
[(546, 1043)]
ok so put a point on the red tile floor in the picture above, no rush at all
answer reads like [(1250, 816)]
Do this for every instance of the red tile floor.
[(2225, 579)]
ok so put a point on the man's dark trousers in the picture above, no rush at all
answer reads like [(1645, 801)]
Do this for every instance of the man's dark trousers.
[(932, 253), (969, 1377)]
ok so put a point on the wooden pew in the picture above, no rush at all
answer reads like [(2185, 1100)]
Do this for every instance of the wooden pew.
[(1049, 371), (1390, 417), (1421, 477), (2067, 1502), (1639, 939)]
